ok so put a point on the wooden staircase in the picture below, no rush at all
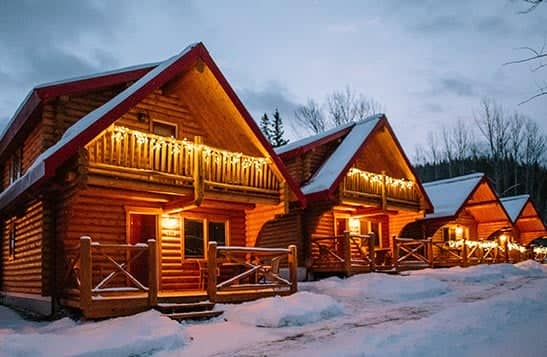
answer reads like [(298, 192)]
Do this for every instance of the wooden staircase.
[(180, 311)]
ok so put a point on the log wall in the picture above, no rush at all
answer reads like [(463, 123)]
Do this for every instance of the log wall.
[(23, 273), (255, 220)]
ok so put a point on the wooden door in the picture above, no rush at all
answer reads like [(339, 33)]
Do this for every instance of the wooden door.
[(142, 227)]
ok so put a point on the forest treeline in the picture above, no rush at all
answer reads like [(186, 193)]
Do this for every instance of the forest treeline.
[(509, 148)]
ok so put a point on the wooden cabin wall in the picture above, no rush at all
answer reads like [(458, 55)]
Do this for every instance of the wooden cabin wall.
[(527, 237), (23, 273), (304, 166), (255, 220), (398, 221), (164, 108), (484, 230), (281, 232)]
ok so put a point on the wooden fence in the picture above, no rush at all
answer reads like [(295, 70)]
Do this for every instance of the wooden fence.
[(249, 271)]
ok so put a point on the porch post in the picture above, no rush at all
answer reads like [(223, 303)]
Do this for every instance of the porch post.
[(152, 273), (347, 253), (198, 170), (384, 191), (371, 251), (86, 274), (395, 252), (506, 250), (430, 251), (212, 271), (464, 253), (293, 268)]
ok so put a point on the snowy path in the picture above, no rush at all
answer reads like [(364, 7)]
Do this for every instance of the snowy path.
[(483, 310)]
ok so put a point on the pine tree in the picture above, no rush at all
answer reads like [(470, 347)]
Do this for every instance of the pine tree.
[(265, 125), (277, 132)]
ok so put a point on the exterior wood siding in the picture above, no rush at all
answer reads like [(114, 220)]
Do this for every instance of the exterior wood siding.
[(23, 273), (281, 232)]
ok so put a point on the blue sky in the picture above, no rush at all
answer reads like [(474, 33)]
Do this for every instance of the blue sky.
[(428, 63)]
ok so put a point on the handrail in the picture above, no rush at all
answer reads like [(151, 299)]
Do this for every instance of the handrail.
[(254, 262), (81, 267)]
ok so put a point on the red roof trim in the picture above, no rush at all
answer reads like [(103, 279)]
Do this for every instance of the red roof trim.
[(58, 158), (336, 182), (314, 144), (66, 88), (250, 121), (418, 181)]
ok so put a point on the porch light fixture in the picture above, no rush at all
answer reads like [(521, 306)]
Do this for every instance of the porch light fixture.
[(170, 222), (354, 225), (459, 232), (503, 238)]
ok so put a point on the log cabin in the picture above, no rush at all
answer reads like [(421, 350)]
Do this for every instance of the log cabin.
[(124, 188), (527, 222), (360, 189), (469, 224)]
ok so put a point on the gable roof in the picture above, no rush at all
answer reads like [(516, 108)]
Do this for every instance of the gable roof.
[(514, 205), (354, 137), (449, 196), (99, 119), (42, 92)]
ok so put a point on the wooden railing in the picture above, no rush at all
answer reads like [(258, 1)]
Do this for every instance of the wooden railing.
[(540, 254), (409, 252), (347, 253), (412, 252), (144, 153), (251, 270), (359, 183), (96, 270)]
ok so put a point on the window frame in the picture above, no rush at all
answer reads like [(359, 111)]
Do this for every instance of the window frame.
[(12, 238), (205, 220), (165, 123), (16, 165)]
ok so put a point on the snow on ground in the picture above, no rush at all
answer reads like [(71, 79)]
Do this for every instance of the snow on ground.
[(481, 310)]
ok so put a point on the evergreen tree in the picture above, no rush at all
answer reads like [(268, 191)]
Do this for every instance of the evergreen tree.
[(265, 125), (277, 131)]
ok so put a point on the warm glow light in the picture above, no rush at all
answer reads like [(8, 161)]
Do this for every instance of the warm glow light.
[(169, 222), (354, 226), (377, 178), (503, 238), (459, 231), (540, 250), (175, 147)]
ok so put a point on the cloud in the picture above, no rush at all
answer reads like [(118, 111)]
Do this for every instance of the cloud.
[(342, 28), (267, 99), (453, 85), (439, 24), (433, 108)]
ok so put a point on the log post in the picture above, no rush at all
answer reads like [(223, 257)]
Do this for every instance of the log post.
[(153, 268), (430, 251), (506, 250), (384, 191), (395, 252), (481, 254), (371, 251), (464, 253), (212, 271), (199, 184), (347, 253), (293, 268), (86, 274)]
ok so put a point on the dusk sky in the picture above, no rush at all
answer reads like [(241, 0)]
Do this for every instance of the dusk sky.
[(426, 62)]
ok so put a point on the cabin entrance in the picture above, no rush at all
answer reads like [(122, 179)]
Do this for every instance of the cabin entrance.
[(142, 227)]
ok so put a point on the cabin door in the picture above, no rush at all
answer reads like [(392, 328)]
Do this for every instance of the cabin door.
[(142, 227)]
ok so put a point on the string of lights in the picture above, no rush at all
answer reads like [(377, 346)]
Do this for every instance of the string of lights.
[(379, 178)]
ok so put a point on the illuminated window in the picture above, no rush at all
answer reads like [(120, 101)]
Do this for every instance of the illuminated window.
[(454, 232), (164, 129)]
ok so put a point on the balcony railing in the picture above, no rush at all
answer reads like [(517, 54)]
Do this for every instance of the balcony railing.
[(144, 153), (359, 183)]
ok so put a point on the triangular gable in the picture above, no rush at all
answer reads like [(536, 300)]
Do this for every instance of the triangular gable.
[(514, 205), (449, 195), (38, 94), (93, 123), (355, 138)]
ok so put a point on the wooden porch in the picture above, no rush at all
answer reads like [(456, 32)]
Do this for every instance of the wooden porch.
[(165, 164), (101, 280), (379, 189)]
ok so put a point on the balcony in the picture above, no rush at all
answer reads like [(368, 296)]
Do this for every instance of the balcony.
[(137, 155), (364, 186)]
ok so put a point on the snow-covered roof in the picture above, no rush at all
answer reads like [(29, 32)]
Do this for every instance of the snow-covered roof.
[(38, 168), (310, 139), (514, 205), (334, 166), (449, 195), (68, 81)]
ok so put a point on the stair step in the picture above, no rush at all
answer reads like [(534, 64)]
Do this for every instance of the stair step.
[(196, 315), (185, 307)]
